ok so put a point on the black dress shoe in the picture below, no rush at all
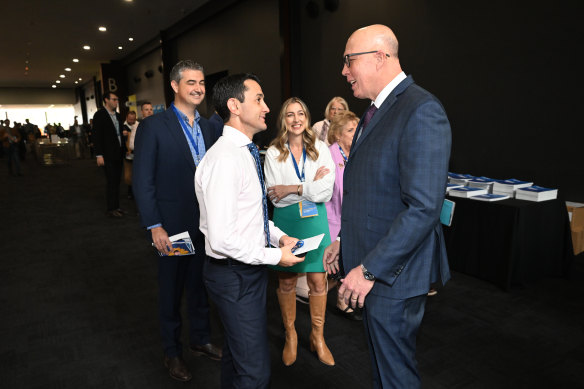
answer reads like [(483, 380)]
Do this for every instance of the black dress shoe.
[(209, 350), (177, 369)]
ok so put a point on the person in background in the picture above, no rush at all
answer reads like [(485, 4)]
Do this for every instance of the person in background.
[(340, 137), (146, 110), (299, 176), (336, 105), (169, 149), (130, 126), (108, 141), (10, 137)]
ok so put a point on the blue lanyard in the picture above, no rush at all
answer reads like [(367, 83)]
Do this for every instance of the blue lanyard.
[(343, 154), (300, 177), (186, 130)]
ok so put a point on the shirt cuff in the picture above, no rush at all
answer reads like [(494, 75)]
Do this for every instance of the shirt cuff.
[(154, 226)]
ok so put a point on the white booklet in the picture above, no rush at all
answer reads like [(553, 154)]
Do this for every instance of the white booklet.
[(306, 245), (181, 245)]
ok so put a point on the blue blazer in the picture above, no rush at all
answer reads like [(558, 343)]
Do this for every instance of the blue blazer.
[(394, 185), (164, 172)]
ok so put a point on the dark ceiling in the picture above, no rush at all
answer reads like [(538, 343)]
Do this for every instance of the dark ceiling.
[(49, 34)]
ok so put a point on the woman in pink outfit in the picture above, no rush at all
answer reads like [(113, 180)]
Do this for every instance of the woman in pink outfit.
[(340, 137)]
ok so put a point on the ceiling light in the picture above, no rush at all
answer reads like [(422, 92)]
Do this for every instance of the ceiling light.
[(67, 69), (131, 39), (120, 47), (102, 28), (53, 86), (79, 78), (61, 76), (86, 47), (26, 68), (58, 82), (77, 82), (75, 60)]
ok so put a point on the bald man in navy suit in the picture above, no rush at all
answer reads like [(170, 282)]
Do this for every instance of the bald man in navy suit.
[(391, 241)]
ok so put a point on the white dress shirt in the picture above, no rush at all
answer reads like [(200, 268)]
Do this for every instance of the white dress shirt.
[(283, 173), (384, 93), (230, 202)]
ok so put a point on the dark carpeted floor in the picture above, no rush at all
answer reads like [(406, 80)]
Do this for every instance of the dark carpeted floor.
[(78, 308)]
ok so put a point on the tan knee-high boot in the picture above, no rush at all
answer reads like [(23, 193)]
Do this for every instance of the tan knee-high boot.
[(317, 310), (288, 308)]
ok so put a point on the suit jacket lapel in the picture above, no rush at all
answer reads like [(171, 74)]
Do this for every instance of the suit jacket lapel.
[(179, 137), (385, 107)]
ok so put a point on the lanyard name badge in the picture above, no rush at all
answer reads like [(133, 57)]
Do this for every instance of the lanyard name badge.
[(343, 155), (306, 208), (186, 130)]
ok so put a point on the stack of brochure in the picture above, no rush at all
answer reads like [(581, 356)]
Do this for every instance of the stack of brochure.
[(482, 182), (536, 193), (461, 179), (490, 197), (452, 186), (467, 191), (508, 187)]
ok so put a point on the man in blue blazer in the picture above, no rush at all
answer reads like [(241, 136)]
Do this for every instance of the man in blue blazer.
[(167, 149), (391, 241)]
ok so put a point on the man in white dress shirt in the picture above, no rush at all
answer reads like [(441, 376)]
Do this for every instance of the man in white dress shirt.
[(232, 201)]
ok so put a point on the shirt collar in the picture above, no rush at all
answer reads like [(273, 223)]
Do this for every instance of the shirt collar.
[(185, 117), (235, 136), (388, 89)]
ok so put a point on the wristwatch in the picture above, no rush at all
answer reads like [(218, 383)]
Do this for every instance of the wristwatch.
[(368, 276)]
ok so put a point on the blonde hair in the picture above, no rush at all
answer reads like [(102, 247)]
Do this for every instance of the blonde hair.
[(339, 100), (339, 121), (308, 136)]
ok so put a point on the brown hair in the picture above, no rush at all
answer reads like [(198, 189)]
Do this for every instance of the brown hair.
[(337, 124), (308, 136)]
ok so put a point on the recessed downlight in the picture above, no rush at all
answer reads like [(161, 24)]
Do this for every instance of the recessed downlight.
[(120, 47), (86, 47), (53, 86), (102, 29), (75, 60), (61, 76), (67, 69), (131, 39), (58, 82)]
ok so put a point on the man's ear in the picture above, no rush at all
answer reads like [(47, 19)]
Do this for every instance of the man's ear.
[(174, 86), (233, 105)]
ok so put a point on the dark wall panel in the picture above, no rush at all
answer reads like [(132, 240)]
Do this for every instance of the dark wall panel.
[(505, 71)]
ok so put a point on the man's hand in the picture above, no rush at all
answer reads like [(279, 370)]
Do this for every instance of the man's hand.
[(285, 239), (320, 173), (355, 288), (289, 259), (100, 161), (160, 240), (330, 259)]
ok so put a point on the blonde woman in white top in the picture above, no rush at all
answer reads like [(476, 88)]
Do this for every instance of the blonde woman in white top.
[(300, 177)]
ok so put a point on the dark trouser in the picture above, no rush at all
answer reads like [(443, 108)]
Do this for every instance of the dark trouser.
[(175, 275), (12, 159), (391, 327), (239, 292), (113, 175)]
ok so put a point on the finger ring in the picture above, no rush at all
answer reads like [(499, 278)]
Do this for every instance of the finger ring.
[(353, 298)]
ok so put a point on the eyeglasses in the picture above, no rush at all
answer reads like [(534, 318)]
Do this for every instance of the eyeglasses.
[(347, 58)]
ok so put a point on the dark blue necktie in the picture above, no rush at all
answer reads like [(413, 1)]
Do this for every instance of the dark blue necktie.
[(256, 156)]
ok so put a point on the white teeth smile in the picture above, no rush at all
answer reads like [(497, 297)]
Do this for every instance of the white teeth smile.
[(352, 82)]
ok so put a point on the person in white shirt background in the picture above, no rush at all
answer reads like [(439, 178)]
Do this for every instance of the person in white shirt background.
[(300, 177), (336, 105), (233, 205)]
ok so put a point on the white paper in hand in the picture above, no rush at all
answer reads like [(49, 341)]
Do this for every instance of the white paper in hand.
[(309, 244)]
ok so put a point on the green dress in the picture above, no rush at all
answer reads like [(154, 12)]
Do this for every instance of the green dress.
[(288, 220)]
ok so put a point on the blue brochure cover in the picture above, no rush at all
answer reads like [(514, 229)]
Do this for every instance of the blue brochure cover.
[(447, 212)]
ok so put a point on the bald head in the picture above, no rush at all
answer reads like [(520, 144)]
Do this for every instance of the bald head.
[(379, 37), (371, 60)]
